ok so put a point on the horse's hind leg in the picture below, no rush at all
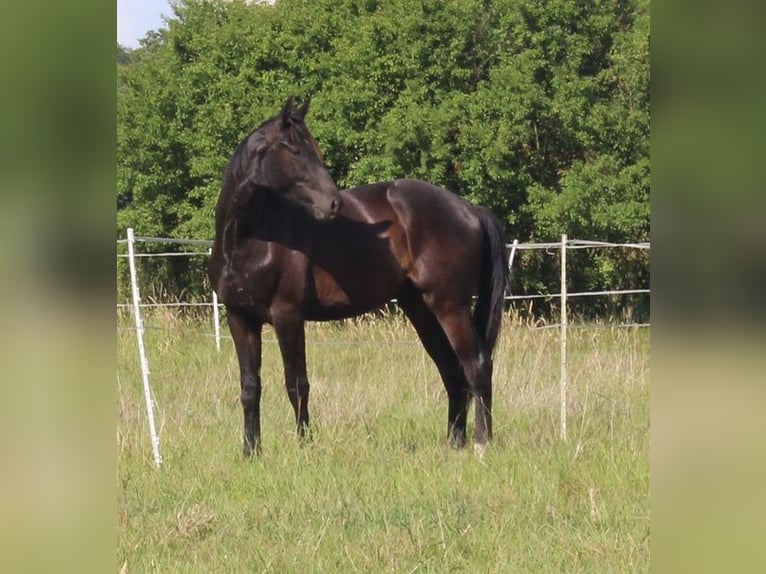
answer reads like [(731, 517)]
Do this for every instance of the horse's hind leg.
[(439, 349), (247, 341), (289, 327), (476, 363)]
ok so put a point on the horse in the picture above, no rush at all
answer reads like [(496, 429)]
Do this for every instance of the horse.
[(291, 247)]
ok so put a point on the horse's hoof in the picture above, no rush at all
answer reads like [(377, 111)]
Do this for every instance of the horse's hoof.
[(457, 441)]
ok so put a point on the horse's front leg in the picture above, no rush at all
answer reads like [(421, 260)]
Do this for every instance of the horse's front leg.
[(247, 341), (291, 335)]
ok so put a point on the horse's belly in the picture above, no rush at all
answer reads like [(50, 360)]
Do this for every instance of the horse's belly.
[(349, 294), (337, 312)]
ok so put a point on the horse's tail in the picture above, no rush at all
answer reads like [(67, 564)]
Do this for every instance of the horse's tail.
[(488, 313)]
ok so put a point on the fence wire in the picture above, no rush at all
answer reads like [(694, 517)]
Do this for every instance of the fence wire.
[(515, 246)]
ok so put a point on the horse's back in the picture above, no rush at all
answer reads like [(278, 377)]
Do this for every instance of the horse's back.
[(413, 203), (435, 235)]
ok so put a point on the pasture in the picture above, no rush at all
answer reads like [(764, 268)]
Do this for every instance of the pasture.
[(378, 489)]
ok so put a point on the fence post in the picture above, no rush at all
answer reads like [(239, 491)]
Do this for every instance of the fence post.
[(563, 382), (216, 322), (512, 255), (141, 349), (216, 318)]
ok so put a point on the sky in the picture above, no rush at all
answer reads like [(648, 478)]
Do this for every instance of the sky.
[(136, 17)]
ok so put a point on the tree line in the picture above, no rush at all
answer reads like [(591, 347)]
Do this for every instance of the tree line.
[(537, 110)]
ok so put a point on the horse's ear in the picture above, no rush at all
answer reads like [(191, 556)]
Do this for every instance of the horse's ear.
[(303, 110), (287, 110)]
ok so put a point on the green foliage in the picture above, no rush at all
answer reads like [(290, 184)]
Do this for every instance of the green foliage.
[(540, 111)]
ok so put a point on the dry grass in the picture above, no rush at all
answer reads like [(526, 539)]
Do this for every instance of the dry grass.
[(378, 489)]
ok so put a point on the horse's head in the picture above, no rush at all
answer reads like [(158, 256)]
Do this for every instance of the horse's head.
[(283, 156)]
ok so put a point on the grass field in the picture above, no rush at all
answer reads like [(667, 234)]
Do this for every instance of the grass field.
[(379, 489)]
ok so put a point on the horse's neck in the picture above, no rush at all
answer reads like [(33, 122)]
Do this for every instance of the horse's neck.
[(238, 213), (264, 214)]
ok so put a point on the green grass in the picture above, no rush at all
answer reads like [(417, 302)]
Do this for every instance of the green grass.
[(379, 489)]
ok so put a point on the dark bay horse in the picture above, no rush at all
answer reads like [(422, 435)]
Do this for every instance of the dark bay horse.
[(289, 248)]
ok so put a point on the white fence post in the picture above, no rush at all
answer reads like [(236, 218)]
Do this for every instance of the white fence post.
[(563, 336), (216, 318), (142, 350), (513, 254), (216, 322)]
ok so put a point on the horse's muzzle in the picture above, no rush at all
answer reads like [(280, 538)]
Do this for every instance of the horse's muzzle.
[(330, 213)]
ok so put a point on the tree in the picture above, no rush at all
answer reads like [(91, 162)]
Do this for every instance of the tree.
[(539, 111), (123, 55)]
